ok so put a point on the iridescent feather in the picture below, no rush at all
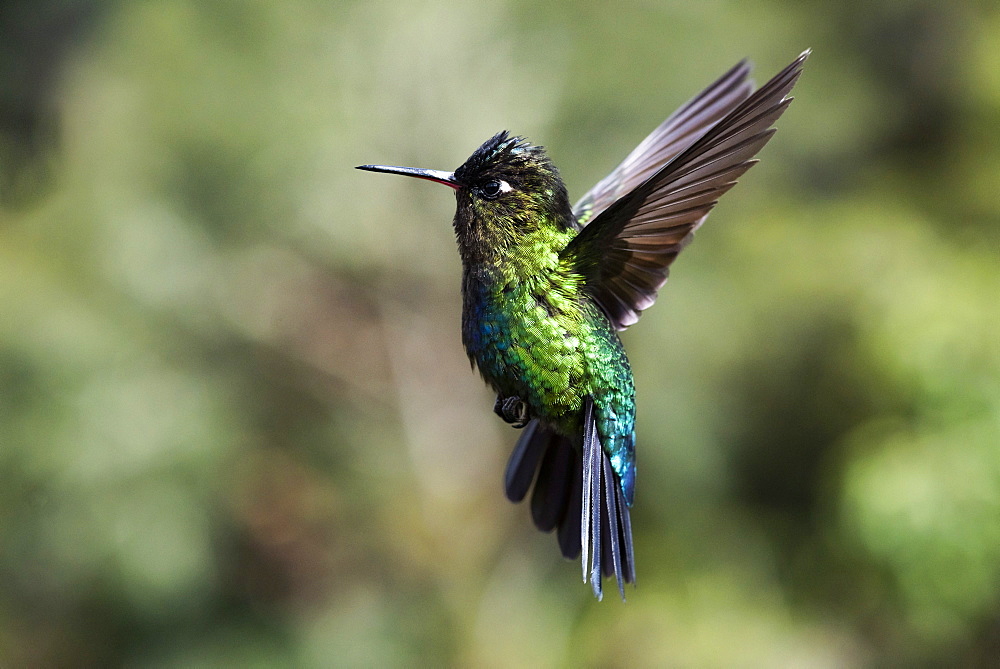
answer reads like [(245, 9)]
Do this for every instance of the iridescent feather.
[(546, 287)]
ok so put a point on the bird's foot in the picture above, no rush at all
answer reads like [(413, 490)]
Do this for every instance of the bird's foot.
[(513, 410)]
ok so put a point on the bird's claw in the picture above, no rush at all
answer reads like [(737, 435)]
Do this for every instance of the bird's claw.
[(513, 410)]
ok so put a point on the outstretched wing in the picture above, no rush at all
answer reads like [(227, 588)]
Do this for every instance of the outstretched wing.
[(674, 135), (625, 252)]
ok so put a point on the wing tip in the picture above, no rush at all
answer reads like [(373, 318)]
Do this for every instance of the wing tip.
[(790, 74)]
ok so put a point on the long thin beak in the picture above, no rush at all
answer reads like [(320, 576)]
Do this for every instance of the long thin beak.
[(446, 178)]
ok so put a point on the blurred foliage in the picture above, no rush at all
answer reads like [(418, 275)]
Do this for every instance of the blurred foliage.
[(236, 423)]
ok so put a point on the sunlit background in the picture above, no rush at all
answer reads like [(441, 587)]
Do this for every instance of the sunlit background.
[(237, 425)]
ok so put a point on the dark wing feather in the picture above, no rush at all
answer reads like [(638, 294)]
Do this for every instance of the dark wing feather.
[(677, 133), (626, 251)]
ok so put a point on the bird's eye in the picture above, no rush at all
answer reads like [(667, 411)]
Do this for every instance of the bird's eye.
[(492, 189)]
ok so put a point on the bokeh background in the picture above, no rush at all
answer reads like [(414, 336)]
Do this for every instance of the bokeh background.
[(237, 426)]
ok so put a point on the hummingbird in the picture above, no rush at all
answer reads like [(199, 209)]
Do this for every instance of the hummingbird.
[(546, 287)]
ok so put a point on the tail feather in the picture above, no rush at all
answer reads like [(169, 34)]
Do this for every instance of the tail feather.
[(553, 487), (530, 447), (569, 526), (578, 493), (590, 514), (613, 530), (625, 525)]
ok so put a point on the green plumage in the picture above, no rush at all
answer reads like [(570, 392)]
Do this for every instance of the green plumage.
[(546, 286), (533, 334)]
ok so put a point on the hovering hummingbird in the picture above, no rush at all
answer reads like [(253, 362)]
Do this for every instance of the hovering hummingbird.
[(545, 287)]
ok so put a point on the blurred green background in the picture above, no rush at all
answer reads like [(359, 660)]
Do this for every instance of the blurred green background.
[(237, 425)]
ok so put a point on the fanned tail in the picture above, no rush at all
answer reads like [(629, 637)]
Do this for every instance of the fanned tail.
[(578, 493)]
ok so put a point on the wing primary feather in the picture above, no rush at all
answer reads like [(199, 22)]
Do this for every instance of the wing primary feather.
[(655, 219), (669, 139)]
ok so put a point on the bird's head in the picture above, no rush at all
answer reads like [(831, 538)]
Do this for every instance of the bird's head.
[(506, 189)]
